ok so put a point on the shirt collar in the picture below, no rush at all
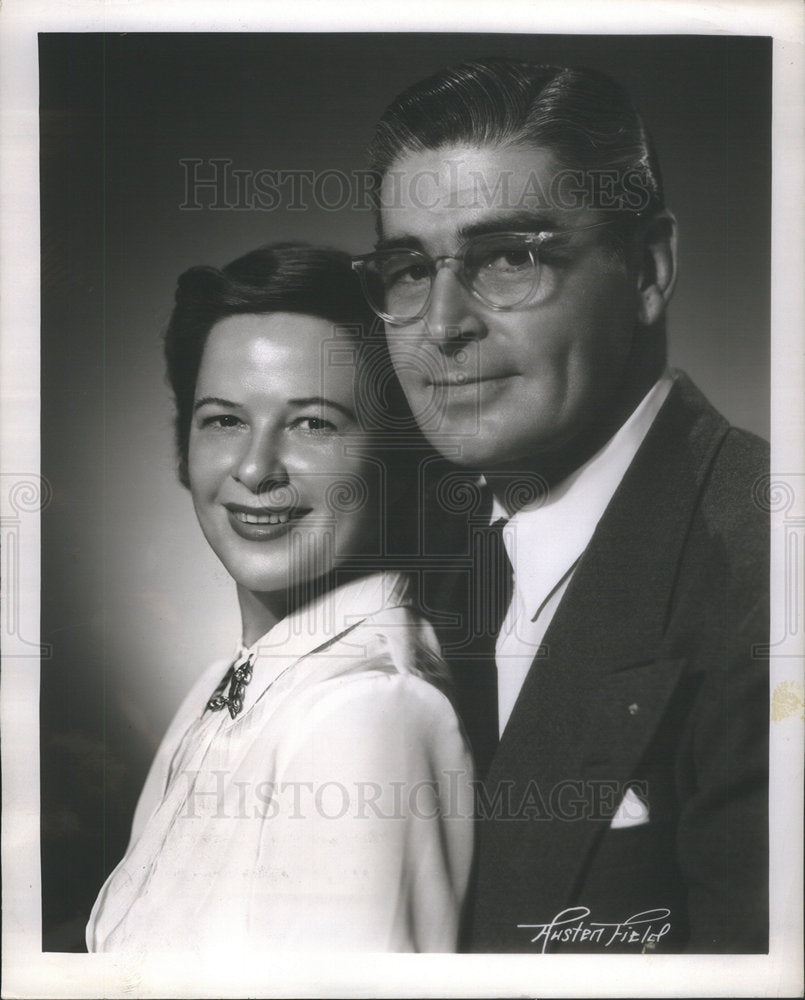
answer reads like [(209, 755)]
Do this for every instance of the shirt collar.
[(324, 620), (545, 541)]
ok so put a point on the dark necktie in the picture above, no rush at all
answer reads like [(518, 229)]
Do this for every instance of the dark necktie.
[(490, 590)]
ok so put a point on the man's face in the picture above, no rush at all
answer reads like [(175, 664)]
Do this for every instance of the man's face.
[(496, 388)]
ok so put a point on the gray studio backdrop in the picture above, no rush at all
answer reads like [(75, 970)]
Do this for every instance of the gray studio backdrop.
[(133, 604)]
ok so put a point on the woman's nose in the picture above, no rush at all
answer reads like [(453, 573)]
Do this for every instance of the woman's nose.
[(453, 314), (261, 464)]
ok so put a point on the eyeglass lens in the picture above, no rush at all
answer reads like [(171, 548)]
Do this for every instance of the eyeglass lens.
[(501, 269)]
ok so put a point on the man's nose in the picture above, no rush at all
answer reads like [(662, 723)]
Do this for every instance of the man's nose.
[(453, 314), (262, 462)]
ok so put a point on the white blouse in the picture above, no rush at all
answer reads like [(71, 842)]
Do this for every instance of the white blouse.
[(334, 812)]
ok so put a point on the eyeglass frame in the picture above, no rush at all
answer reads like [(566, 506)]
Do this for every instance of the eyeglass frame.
[(360, 261)]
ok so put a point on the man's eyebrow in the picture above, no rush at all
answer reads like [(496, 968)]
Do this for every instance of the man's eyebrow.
[(519, 222), (214, 401), (323, 401), (399, 243)]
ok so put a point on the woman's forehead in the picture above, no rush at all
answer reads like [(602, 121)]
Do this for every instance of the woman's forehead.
[(289, 353)]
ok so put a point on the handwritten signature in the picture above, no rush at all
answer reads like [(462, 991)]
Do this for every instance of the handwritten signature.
[(646, 928)]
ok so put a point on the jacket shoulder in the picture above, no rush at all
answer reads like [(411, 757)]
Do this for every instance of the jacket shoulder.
[(734, 501), (730, 465)]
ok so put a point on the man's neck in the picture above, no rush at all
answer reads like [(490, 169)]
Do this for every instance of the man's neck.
[(522, 483)]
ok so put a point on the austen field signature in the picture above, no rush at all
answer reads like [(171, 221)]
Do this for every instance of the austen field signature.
[(571, 925)]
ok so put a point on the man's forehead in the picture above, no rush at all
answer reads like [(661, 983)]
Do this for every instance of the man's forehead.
[(447, 190)]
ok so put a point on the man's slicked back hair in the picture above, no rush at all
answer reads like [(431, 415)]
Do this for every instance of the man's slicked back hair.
[(583, 116)]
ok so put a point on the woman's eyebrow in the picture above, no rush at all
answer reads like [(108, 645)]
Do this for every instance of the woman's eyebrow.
[(214, 401), (323, 401)]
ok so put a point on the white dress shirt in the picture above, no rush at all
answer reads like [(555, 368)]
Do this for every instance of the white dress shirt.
[(544, 543), (333, 812)]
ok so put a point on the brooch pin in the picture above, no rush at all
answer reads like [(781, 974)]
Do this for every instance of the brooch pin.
[(238, 676)]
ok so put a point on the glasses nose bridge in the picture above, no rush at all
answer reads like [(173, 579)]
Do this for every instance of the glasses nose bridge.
[(439, 292), (449, 312), (440, 262), (444, 262)]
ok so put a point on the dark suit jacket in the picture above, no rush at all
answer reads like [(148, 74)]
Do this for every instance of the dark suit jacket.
[(653, 675)]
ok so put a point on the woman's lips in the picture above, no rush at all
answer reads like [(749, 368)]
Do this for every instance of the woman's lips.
[(279, 517), (264, 525)]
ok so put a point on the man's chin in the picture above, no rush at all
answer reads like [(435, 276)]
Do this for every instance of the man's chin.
[(532, 468), (469, 451)]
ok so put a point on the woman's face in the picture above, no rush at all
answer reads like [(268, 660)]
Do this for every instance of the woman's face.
[(278, 465)]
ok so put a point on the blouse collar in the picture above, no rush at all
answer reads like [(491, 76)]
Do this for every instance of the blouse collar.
[(323, 620)]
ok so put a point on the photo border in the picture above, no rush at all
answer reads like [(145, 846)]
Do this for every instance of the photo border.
[(27, 972)]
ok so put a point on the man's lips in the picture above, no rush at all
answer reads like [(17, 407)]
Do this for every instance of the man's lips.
[(454, 379)]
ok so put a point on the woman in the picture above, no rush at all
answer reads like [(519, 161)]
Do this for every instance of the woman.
[(317, 794)]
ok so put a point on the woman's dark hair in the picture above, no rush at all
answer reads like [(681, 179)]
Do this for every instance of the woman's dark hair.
[(283, 277), (582, 116)]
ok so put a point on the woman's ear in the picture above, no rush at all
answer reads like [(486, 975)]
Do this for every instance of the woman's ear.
[(656, 266)]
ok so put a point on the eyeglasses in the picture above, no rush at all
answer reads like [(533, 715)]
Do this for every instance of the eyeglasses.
[(502, 270)]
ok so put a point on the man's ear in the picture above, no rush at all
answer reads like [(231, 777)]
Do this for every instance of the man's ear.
[(656, 266)]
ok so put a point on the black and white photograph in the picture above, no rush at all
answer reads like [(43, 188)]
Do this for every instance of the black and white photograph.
[(402, 503)]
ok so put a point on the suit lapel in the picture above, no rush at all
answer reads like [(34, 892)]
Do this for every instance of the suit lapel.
[(591, 703)]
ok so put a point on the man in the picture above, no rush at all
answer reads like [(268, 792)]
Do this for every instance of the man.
[(524, 266)]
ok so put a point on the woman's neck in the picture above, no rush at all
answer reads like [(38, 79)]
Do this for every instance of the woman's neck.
[(260, 612)]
